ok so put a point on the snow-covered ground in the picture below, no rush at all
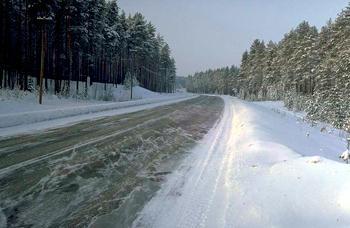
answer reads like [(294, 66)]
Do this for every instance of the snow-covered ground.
[(259, 167), (22, 113), (38, 126), (122, 94), (14, 101)]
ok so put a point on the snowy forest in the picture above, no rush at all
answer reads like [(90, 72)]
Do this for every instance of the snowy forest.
[(308, 69), (220, 81), (80, 40)]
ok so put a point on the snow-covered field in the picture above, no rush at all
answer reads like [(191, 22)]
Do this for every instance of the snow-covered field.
[(18, 114), (259, 167)]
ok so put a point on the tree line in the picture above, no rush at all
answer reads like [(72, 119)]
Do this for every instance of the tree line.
[(84, 40), (280, 70), (219, 81), (308, 69)]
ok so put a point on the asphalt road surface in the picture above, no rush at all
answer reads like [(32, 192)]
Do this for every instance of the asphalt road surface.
[(76, 176)]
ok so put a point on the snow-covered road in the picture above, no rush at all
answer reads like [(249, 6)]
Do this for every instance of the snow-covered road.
[(99, 172), (256, 168)]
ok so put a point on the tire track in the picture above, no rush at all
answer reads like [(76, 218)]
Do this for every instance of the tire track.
[(203, 184)]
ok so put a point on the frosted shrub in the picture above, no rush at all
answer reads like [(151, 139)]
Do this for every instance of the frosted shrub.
[(82, 95), (301, 103), (272, 93), (347, 125), (128, 79), (15, 94), (31, 84), (312, 109), (65, 90), (289, 100), (261, 95), (345, 156), (296, 102)]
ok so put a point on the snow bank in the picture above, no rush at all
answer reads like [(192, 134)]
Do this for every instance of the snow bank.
[(55, 123), (257, 168), (95, 91), (9, 117), (122, 94), (301, 116), (318, 138), (279, 185), (21, 107)]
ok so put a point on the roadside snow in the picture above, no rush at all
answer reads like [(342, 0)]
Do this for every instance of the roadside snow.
[(21, 107), (58, 111), (300, 117), (256, 168), (122, 94), (118, 109), (278, 106), (15, 101)]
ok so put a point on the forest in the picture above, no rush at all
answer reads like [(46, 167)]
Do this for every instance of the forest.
[(80, 40), (219, 81), (308, 69)]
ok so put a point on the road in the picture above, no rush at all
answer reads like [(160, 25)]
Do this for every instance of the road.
[(197, 195), (77, 175)]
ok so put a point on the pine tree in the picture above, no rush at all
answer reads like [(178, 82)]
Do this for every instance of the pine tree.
[(307, 69), (86, 40)]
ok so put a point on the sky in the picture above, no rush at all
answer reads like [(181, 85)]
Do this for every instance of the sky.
[(208, 34)]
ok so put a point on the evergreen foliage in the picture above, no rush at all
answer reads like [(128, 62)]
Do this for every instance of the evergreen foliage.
[(309, 70), (219, 81), (85, 40)]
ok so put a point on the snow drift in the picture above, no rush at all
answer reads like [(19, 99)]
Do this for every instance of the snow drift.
[(257, 168)]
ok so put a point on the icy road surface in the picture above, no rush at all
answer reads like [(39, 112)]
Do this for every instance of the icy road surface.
[(98, 172), (256, 168)]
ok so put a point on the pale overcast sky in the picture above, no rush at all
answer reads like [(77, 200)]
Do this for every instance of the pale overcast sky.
[(214, 33)]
